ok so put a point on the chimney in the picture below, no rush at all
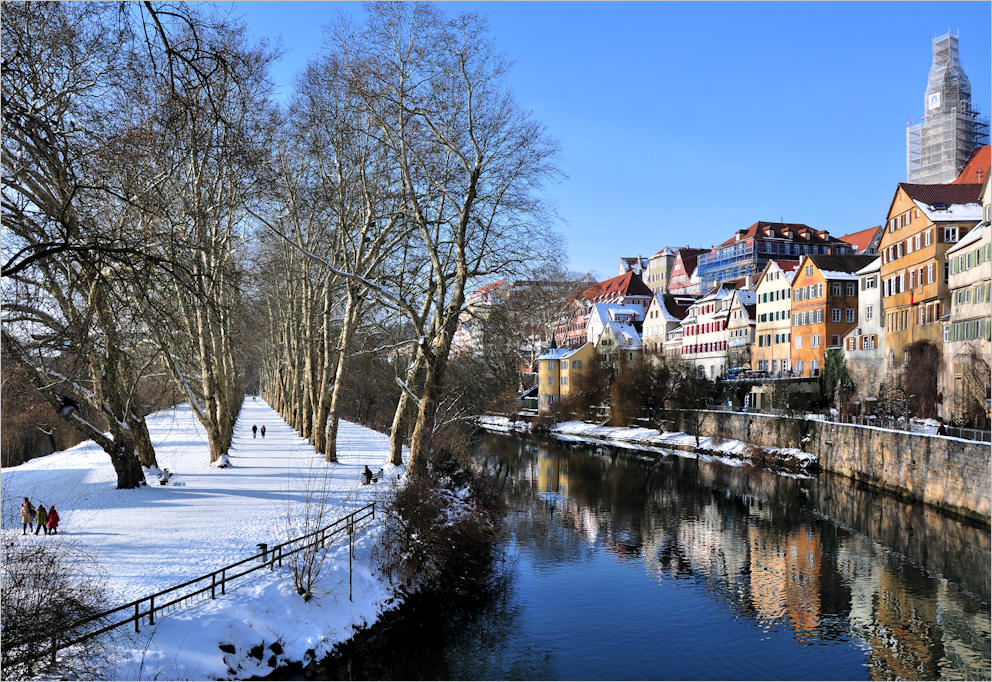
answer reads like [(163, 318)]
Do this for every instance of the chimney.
[(739, 235), (749, 281)]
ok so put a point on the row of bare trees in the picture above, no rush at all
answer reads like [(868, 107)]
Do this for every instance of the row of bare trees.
[(132, 140), (404, 174)]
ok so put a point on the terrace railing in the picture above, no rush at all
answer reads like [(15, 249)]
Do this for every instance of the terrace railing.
[(184, 594)]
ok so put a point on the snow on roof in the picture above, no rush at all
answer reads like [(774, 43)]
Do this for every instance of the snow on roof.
[(625, 335), (952, 212), (837, 274), (967, 240), (874, 266), (746, 296)]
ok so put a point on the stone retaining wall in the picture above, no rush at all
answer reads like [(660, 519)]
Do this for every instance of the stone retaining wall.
[(948, 473)]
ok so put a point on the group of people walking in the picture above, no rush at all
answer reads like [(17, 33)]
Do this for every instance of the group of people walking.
[(254, 430), (38, 519)]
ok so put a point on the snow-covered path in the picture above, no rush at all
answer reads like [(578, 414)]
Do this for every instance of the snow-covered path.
[(157, 536)]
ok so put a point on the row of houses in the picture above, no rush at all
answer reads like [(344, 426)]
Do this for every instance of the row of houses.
[(775, 297)]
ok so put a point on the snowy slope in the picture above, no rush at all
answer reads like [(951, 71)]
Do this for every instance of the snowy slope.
[(157, 536)]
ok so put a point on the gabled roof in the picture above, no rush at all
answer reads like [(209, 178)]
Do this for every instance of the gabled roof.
[(675, 306), (800, 232), (973, 236), (788, 268), (627, 284), (839, 266), (874, 266), (665, 251), (864, 239), (560, 353), (977, 168), (949, 194), (689, 257)]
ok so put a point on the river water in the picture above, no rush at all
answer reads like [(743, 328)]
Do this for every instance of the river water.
[(633, 565)]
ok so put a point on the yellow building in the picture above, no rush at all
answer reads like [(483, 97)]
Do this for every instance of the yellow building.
[(561, 372), (924, 221)]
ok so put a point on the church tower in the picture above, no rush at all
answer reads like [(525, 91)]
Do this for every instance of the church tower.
[(938, 147)]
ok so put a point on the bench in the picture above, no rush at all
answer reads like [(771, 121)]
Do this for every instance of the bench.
[(376, 477)]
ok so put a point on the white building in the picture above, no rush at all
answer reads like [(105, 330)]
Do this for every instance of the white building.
[(967, 344), (773, 327), (864, 350), (664, 314), (704, 331), (615, 330)]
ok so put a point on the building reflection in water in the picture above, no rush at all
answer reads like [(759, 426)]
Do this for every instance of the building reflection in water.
[(768, 546)]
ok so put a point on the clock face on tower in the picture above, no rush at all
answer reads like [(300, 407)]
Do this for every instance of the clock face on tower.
[(933, 101)]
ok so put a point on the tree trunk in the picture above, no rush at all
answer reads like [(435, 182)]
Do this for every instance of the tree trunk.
[(352, 310), (126, 464)]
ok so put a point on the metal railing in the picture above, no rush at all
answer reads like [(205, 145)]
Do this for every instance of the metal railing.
[(175, 596)]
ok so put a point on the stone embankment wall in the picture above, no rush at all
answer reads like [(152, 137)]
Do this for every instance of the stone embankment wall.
[(948, 473)]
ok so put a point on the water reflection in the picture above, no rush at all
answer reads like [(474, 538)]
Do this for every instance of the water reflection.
[(821, 561)]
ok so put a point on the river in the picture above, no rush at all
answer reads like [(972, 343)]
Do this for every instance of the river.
[(632, 565)]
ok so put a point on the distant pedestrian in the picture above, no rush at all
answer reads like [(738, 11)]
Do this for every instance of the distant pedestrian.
[(53, 520), (367, 475), (254, 430), (41, 519), (27, 516), (263, 430)]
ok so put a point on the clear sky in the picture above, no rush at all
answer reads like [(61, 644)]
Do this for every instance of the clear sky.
[(680, 123)]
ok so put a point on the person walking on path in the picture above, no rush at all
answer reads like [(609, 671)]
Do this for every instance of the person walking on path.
[(53, 520), (27, 516), (41, 520), (263, 430), (254, 430)]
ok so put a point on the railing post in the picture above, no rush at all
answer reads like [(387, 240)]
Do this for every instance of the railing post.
[(223, 579), (280, 556), (137, 616), (213, 585), (151, 611), (373, 510), (351, 531), (54, 649)]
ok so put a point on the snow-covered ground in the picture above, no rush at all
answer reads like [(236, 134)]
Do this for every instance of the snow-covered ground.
[(151, 538)]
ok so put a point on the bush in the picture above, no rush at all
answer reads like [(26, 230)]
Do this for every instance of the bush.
[(42, 599), (443, 530)]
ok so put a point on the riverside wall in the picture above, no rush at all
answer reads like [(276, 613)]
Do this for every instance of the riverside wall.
[(948, 473)]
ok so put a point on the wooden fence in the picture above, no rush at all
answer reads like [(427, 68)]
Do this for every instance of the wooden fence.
[(186, 593)]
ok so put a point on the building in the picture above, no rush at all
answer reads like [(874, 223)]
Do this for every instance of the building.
[(659, 270), (865, 242), (471, 323), (636, 264), (750, 249), (664, 314), (560, 374), (770, 351), (704, 332), (615, 332), (626, 289), (967, 336), (683, 270), (740, 328), (923, 222), (864, 350), (939, 146), (824, 307)]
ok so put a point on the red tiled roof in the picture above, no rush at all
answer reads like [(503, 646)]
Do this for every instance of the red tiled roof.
[(841, 262), (779, 230), (944, 194), (861, 239), (977, 168), (627, 284), (689, 258)]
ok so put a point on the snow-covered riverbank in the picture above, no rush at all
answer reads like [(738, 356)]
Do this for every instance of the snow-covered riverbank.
[(148, 539), (731, 451)]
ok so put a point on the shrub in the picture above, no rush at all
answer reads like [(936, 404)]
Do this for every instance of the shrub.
[(42, 598), (443, 530)]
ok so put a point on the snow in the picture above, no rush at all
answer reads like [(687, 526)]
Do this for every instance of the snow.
[(501, 424), (969, 211), (838, 274), (157, 536), (732, 451)]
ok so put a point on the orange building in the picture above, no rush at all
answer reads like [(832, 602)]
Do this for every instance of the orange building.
[(824, 307), (924, 221)]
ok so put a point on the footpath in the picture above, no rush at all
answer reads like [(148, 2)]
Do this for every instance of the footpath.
[(140, 541)]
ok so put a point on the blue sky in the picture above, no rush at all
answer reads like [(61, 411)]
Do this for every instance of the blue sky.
[(680, 123)]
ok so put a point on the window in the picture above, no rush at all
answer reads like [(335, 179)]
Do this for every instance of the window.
[(849, 289), (869, 312), (950, 234), (551, 364), (871, 282), (916, 243), (926, 238), (799, 342), (551, 381), (835, 315), (809, 269), (814, 367), (814, 341), (576, 364), (849, 315), (819, 314), (564, 381), (799, 367), (835, 289), (834, 339), (564, 364)]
